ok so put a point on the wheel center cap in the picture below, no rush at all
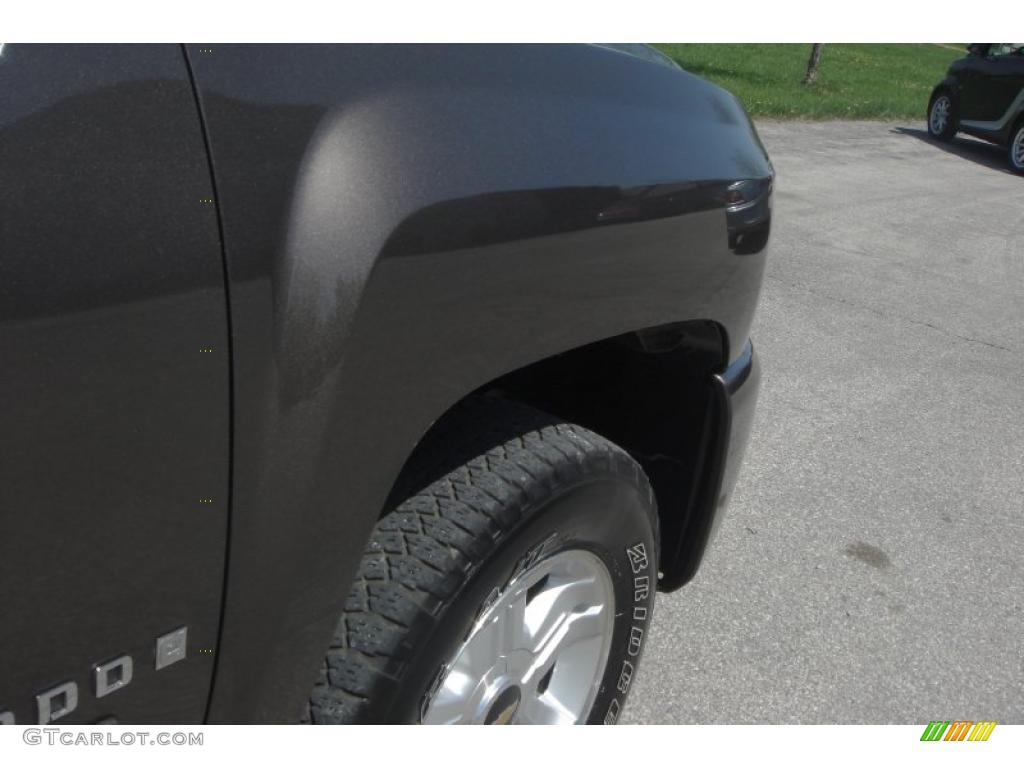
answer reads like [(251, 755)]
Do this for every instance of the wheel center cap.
[(505, 706)]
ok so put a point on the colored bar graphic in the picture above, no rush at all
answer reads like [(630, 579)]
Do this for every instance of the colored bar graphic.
[(934, 730), (958, 730), (982, 730)]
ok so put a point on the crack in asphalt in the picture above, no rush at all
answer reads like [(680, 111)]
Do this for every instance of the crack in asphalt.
[(893, 317)]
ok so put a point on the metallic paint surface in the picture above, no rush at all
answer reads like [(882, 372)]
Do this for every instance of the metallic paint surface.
[(403, 225), (113, 423)]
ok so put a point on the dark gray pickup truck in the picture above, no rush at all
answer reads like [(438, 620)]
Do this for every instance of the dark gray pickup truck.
[(362, 384)]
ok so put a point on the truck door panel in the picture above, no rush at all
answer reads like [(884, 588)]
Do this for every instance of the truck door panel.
[(114, 376)]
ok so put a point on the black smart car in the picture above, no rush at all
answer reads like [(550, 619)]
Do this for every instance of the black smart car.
[(983, 95)]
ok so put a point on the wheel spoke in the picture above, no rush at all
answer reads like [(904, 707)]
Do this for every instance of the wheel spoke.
[(514, 632), (484, 647), (548, 610), (545, 710), (538, 652), (573, 629)]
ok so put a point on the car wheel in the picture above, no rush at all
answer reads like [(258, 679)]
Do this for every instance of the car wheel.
[(517, 587), (1017, 148), (942, 116)]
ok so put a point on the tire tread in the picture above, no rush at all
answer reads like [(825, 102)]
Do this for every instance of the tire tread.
[(501, 458)]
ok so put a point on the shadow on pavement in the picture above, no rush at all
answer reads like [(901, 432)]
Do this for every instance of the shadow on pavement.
[(981, 152)]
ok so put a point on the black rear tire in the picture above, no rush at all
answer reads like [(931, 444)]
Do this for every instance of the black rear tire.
[(514, 486), (1015, 150)]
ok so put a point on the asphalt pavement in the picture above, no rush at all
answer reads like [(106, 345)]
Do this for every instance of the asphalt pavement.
[(869, 568)]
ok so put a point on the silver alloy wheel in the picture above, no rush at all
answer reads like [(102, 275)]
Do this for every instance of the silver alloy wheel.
[(940, 115), (1017, 149), (537, 653)]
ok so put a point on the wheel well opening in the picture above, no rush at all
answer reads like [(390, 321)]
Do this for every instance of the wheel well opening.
[(648, 391)]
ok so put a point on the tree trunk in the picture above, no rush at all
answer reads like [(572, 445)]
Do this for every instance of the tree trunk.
[(812, 64)]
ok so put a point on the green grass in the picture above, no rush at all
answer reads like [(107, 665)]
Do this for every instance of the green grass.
[(869, 81)]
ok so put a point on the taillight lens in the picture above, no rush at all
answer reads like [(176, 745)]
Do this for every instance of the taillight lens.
[(746, 193)]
